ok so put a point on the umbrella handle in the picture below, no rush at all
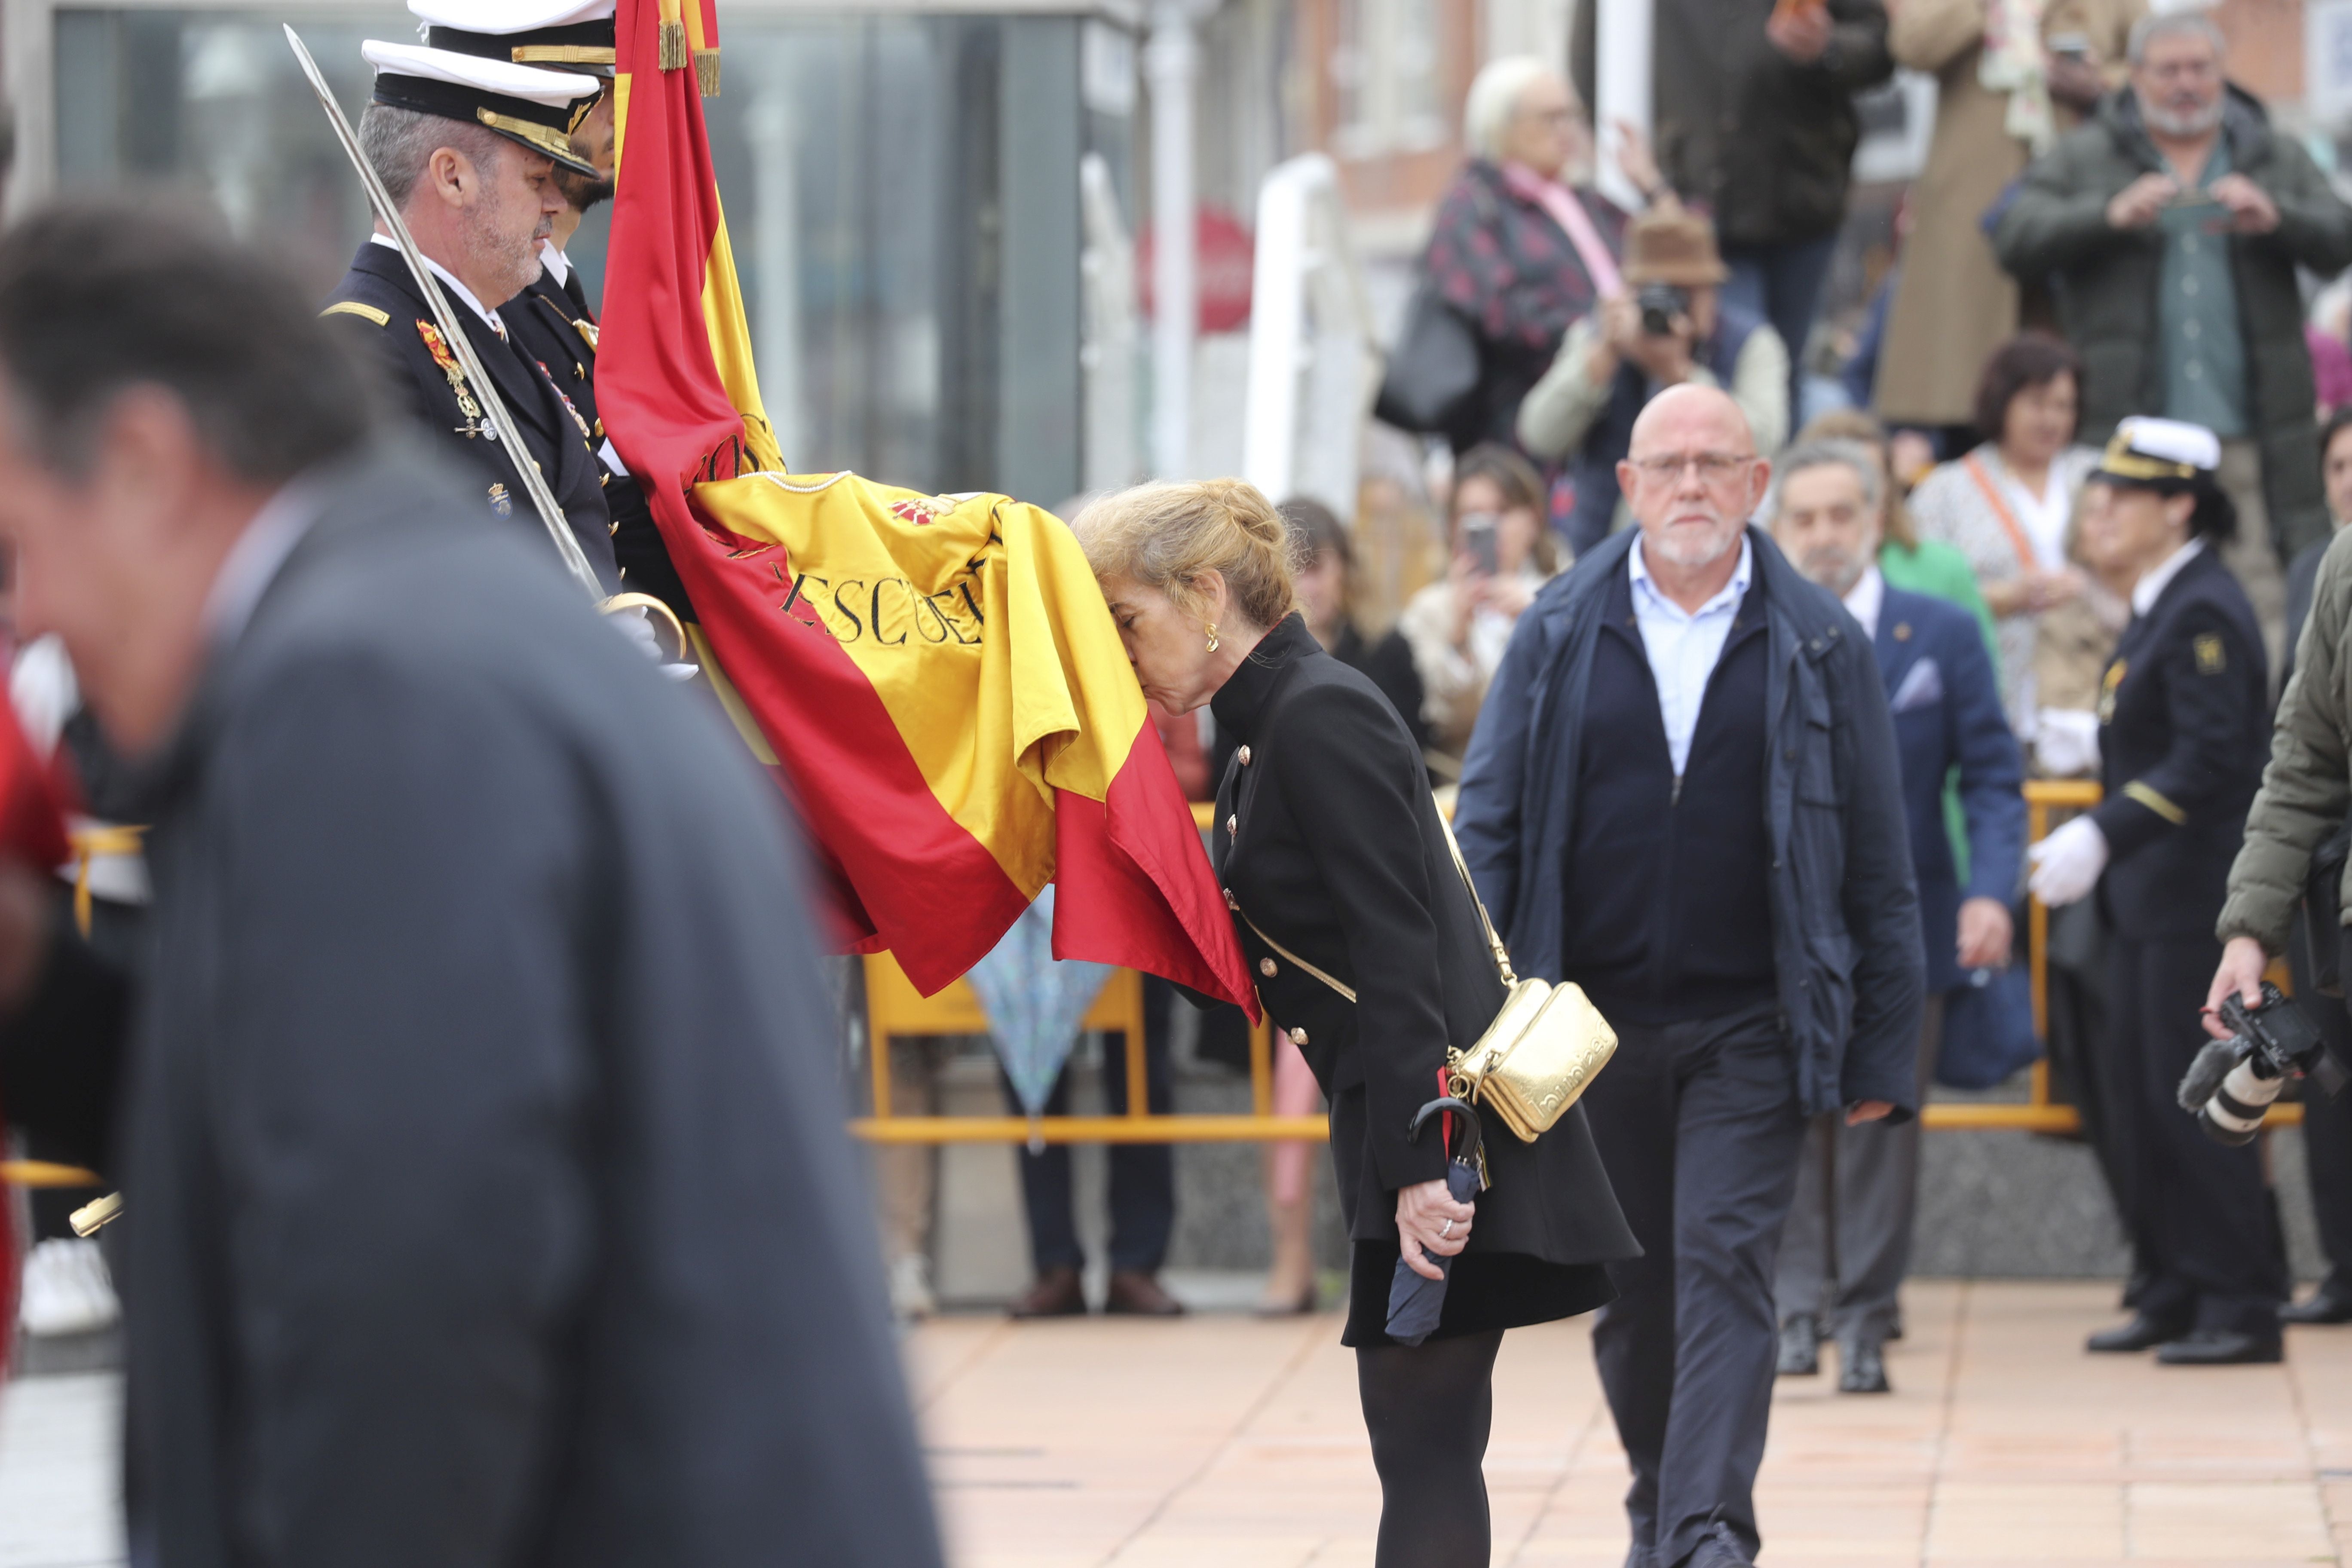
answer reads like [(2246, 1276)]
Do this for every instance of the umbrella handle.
[(1473, 1133)]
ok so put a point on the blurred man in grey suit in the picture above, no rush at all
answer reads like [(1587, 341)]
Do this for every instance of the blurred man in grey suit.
[(489, 1196)]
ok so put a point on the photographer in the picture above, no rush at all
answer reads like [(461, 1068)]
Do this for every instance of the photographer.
[(2180, 722), (1669, 325), (2304, 797)]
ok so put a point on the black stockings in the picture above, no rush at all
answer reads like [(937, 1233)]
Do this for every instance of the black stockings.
[(1428, 1408)]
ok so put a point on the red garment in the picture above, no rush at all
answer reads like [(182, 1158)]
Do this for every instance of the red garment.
[(1180, 737), (33, 831)]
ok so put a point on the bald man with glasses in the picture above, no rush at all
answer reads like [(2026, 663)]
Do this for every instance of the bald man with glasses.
[(1683, 795)]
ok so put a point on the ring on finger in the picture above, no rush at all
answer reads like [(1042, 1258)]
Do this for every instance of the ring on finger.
[(1446, 1230)]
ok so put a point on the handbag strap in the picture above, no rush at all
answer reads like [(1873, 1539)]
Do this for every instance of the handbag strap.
[(1485, 923), (1992, 492), (1502, 954)]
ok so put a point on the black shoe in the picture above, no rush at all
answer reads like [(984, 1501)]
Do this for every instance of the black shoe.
[(2142, 1334), (1800, 1346), (2322, 1308), (1056, 1294), (1138, 1294), (2220, 1347), (1862, 1369)]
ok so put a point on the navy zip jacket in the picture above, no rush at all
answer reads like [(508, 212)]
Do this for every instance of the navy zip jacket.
[(1846, 948)]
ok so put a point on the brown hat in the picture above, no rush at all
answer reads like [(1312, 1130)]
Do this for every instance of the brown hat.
[(1668, 244)]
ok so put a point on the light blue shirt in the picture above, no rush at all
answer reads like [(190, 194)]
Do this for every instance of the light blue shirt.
[(1684, 647)]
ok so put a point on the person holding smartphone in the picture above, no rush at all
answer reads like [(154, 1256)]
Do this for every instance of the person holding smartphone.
[(2177, 222), (1501, 553)]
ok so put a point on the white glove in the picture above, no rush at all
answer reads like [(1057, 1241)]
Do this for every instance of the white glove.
[(2067, 741), (631, 622), (2067, 864)]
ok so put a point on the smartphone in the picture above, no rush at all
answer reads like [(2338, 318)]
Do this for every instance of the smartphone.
[(1478, 542)]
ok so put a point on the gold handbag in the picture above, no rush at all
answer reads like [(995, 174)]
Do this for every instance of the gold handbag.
[(1544, 1049), (1546, 1045)]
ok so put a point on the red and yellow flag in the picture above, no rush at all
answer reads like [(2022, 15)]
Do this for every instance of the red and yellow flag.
[(935, 678)]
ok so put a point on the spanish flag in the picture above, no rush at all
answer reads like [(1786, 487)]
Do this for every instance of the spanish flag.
[(935, 680)]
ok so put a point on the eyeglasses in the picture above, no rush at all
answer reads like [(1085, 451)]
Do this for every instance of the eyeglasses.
[(1713, 467)]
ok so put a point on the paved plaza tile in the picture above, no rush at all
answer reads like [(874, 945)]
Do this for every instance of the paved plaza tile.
[(1228, 1442), (1219, 1442)]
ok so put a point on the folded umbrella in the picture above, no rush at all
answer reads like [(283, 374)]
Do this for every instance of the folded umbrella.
[(1034, 1002), (1415, 1301)]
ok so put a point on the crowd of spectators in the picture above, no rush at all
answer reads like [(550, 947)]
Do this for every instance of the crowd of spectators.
[(2106, 230)]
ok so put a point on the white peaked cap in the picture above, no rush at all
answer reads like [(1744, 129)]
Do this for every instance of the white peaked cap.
[(2170, 441), (553, 89)]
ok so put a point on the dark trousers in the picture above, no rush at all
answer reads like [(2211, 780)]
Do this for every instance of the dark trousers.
[(2199, 1213), (1142, 1176), (1847, 1245), (2327, 1126), (1782, 283), (1698, 1126)]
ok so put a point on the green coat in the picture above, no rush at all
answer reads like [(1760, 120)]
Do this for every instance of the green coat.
[(2307, 788), (2108, 279)]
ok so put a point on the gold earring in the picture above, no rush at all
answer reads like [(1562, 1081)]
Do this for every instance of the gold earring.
[(1213, 637)]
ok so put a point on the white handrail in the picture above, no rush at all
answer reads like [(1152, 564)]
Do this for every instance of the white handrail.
[(1312, 357)]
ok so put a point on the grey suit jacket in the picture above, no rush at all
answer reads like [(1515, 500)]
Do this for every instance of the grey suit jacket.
[(490, 1201)]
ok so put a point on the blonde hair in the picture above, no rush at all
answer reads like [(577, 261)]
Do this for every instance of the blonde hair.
[(1167, 534)]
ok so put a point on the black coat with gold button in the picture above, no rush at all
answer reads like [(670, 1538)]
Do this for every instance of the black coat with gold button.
[(383, 314), (2184, 730), (553, 324), (1326, 838)]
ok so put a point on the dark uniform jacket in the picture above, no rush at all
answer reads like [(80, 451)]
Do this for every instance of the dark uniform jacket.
[(483, 1062), (1328, 839), (1846, 949), (552, 322), (379, 302), (2184, 722)]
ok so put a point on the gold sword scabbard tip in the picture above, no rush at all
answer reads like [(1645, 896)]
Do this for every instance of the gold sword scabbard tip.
[(93, 1216)]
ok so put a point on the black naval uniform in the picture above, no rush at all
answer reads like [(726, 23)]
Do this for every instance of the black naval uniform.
[(381, 301), (2184, 730), (552, 322)]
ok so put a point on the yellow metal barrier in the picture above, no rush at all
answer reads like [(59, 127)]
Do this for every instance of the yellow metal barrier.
[(894, 1009)]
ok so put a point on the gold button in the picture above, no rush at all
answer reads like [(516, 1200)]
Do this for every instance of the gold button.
[(1232, 825), (1245, 756), (1265, 967), (1298, 1037)]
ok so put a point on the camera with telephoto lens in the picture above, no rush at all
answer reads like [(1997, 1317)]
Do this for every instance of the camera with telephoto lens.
[(1660, 303), (2232, 1082)]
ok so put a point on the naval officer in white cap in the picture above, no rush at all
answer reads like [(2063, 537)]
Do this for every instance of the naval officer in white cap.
[(2184, 728), (466, 148)]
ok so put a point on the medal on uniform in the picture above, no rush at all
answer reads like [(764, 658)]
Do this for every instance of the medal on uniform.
[(471, 410), (2115, 677)]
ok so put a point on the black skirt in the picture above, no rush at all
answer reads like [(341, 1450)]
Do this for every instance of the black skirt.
[(1486, 1290)]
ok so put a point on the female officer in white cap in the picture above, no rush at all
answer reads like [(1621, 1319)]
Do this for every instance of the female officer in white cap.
[(2184, 726)]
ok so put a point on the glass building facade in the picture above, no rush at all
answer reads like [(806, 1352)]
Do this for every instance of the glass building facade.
[(903, 192)]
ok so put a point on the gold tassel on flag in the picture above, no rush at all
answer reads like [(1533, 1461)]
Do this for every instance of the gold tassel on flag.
[(673, 54), (701, 21)]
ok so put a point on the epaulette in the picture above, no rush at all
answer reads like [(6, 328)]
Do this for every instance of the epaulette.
[(353, 308)]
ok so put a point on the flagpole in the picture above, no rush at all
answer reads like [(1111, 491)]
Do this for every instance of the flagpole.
[(534, 483)]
